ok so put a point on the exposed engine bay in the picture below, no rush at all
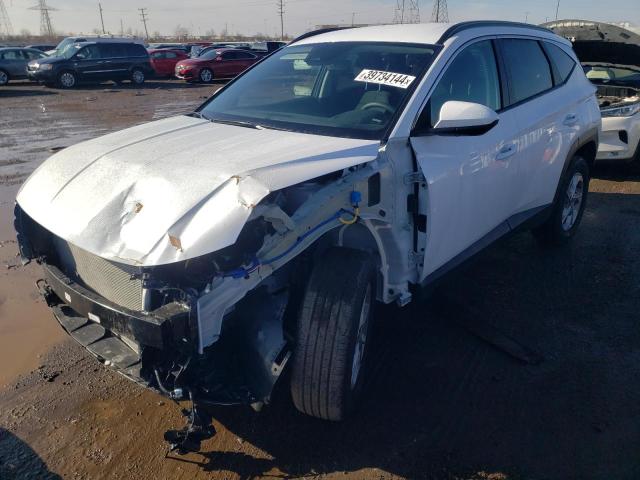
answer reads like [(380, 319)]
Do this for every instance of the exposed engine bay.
[(612, 96)]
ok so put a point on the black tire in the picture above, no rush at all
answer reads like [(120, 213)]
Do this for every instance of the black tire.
[(339, 288), (554, 231), (67, 79), (137, 76), (206, 75), (4, 78)]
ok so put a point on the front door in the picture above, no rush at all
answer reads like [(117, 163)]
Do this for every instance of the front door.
[(471, 180), (89, 63)]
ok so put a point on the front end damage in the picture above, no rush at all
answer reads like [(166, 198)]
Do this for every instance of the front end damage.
[(216, 328)]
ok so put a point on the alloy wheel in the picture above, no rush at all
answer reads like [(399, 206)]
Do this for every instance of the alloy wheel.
[(4, 78), (572, 201), (67, 80)]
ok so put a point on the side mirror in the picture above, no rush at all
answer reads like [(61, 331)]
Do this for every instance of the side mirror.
[(465, 118)]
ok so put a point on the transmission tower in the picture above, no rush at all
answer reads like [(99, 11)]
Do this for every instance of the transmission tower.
[(407, 11), (45, 19), (6, 30), (440, 12)]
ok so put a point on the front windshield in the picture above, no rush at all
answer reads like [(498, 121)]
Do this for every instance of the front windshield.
[(346, 89), (69, 50)]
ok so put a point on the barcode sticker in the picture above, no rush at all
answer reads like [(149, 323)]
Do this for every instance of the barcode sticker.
[(381, 77)]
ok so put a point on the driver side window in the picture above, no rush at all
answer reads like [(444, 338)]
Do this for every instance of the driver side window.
[(471, 77)]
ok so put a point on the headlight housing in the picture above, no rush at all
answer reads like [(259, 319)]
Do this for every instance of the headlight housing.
[(623, 111), (45, 66)]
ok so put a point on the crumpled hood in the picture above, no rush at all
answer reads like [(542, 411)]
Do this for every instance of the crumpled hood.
[(174, 189)]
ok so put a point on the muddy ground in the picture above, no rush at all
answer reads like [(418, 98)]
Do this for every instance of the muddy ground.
[(523, 365)]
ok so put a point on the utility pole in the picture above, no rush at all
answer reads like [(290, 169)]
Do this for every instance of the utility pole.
[(407, 15), (280, 5), (121, 28), (353, 19), (557, 9), (6, 29), (46, 29), (101, 17), (440, 12), (526, 17), (143, 15)]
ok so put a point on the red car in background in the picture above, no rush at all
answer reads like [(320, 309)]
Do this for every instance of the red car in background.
[(215, 64), (164, 61)]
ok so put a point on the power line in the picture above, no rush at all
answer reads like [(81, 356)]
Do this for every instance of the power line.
[(101, 17), (143, 15), (6, 29), (407, 11), (280, 5), (440, 12), (46, 29)]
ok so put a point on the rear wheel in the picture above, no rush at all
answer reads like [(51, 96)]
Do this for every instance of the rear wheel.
[(137, 76), (206, 75), (569, 207), (4, 78), (333, 335), (67, 79)]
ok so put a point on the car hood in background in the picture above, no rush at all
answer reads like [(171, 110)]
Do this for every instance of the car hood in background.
[(600, 43), (176, 188)]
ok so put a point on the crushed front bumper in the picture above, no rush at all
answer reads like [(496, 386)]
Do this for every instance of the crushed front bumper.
[(116, 336)]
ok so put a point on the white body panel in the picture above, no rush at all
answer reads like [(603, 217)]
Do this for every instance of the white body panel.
[(611, 146), (121, 196)]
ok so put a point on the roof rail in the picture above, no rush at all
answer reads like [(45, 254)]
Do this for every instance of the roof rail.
[(320, 31), (459, 27)]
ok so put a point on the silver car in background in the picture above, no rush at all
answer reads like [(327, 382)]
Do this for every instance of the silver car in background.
[(13, 62)]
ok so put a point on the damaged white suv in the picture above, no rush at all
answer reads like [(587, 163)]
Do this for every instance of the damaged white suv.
[(201, 254)]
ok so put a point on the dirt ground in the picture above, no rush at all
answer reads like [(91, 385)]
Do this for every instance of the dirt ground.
[(523, 365)]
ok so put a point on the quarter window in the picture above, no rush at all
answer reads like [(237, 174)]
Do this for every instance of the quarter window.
[(562, 63), (528, 67), (471, 77)]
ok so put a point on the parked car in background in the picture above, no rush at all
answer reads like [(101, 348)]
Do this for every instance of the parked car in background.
[(91, 62), (216, 64), (92, 38), (41, 47), (205, 254), (610, 57), (13, 62), (265, 48), (164, 61)]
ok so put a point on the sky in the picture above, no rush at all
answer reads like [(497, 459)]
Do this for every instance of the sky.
[(252, 16)]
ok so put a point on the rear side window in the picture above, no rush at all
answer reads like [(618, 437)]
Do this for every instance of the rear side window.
[(229, 55), (528, 68), (12, 55), (171, 55), (562, 64), (244, 55), (471, 77)]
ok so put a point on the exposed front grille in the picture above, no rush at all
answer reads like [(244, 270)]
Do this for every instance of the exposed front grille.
[(114, 281)]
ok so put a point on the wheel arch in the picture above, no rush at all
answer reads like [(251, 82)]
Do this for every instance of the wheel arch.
[(586, 146)]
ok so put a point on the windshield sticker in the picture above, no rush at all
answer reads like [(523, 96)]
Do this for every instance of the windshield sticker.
[(381, 77)]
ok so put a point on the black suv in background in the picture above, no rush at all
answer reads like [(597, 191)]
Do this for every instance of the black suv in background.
[(93, 62)]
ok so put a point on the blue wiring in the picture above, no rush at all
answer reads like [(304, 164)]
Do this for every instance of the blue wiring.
[(255, 263)]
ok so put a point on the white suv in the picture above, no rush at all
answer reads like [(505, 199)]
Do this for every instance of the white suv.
[(202, 253)]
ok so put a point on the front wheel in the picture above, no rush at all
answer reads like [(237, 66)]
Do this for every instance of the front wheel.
[(4, 78), (67, 80), (206, 75), (137, 76), (569, 207), (333, 335)]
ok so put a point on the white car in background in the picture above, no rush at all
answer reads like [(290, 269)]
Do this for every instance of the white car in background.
[(202, 254), (610, 56)]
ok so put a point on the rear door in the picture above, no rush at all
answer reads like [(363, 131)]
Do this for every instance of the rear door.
[(546, 115), (15, 63), (470, 179), (230, 65), (244, 61)]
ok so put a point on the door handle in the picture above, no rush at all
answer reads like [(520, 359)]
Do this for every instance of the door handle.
[(570, 119), (506, 152)]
